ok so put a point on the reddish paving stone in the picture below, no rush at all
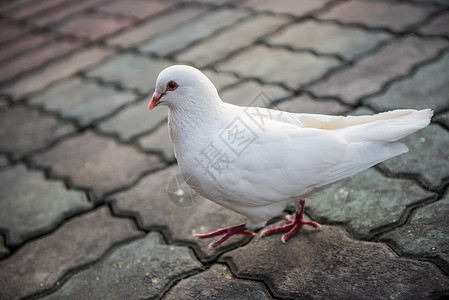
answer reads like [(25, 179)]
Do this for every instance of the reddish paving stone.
[(286, 6), (154, 26), (31, 206), (427, 158), (96, 162), (38, 265), (82, 100), (393, 15), (306, 104), (56, 71), (143, 269), (139, 9), (180, 37), (149, 201), (39, 56), (427, 88), (23, 130), (438, 25), (28, 9), (10, 31), (93, 27), (263, 62), (158, 140), (217, 283), (326, 264), (365, 77), (131, 71), (328, 38), (22, 44), (426, 235), (367, 203), (240, 35)]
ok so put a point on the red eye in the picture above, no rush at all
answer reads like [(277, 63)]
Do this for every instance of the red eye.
[(171, 86)]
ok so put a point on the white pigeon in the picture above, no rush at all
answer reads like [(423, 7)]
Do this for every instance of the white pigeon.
[(255, 161)]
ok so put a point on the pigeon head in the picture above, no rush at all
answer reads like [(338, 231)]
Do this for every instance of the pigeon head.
[(183, 87)]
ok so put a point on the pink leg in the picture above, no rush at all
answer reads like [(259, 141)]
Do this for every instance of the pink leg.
[(292, 225), (226, 232)]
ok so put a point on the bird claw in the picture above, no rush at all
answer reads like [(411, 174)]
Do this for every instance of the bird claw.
[(227, 233)]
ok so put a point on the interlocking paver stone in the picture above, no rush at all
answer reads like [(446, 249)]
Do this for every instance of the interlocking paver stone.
[(247, 93), (22, 44), (240, 35), (30, 205), (263, 62), (82, 100), (179, 37), (3, 250), (306, 104), (56, 71), (427, 88), (139, 9), (426, 234), (217, 283), (439, 25), (428, 156), (365, 77), (23, 130), (158, 140), (367, 203), (328, 38), (96, 162), (326, 264), (28, 9), (143, 269), (40, 55), (149, 201), (219, 79), (93, 27), (443, 119), (154, 26), (286, 6), (134, 120), (38, 265), (10, 31), (393, 15), (3, 160), (132, 71)]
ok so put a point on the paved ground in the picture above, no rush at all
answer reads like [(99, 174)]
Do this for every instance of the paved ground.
[(84, 167)]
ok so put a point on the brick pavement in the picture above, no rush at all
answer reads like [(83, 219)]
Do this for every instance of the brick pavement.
[(84, 168)]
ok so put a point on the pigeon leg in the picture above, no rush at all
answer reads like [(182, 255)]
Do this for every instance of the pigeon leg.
[(292, 225), (226, 232)]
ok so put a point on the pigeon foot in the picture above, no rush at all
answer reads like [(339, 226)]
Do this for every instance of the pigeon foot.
[(227, 233), (292, 225)]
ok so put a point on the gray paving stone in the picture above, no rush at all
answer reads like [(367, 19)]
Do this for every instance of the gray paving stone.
[(440, 2), (149, 201), (393, 15), (3, 161), (238, 36), (30, 205), (248, 93), (139, 9), (3, 250), (220, 79), (134, 120), (286, 6), (367, 203), (143, 269), (427, 88), (56, 71), (158, 140), (131, 71), (82, 100), (263, 62), (443, 119), (217, 283), (326, 264), (427, 158), (203, 26), (329, 38), (426, 235), (306, 104), (438, 25), (155, 25), (38, 265), (96, 162), (23, 130), (365, 77)]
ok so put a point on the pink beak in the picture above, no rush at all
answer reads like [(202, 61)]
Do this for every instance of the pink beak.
[(155, 100)]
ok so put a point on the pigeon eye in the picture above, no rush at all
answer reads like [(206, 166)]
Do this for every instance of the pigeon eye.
[(171, 86)]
